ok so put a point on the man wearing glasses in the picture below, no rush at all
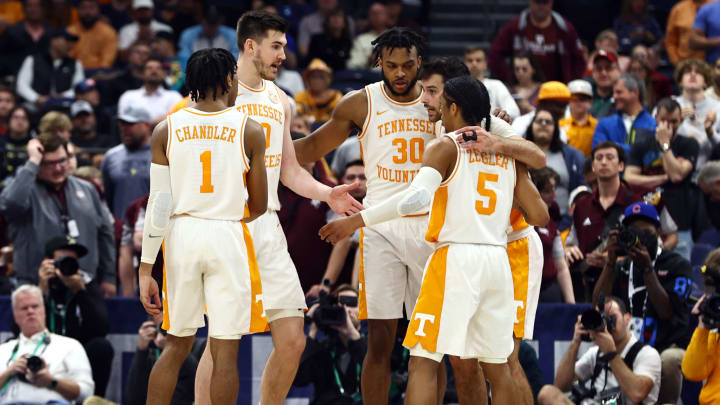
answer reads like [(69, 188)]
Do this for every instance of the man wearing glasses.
[(43, 201)]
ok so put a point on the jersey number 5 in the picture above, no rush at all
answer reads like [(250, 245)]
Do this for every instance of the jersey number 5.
[(206, 160), (480, 207)]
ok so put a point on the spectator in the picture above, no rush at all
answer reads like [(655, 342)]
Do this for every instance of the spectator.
[(500, 97), (131, 78), (55, 122), (318, 100), (679, 29), (289, 81), (25, 38), (339, 268), (42, 201), (14, 144), (87, 90), (636, 25), (398, 17), (163, 46), (117, 12), (565, 160), (361, 54), (183, 15), (668, 160), (617, 364), (85, 134), (333, 44), (713, 91), (659, 315), (607, 40), (97, 44), (525, 80), (211, 33), (314, 23), (596, 214), (151, 342), (631, 123), (705, 35), (10, 13), (51, 74), (332, 365), (7, 103), (605, 72), (126, 167), (702, 358), (580, 125), (76, 306), (556, 284), (700, 114), (143, 27), (553, 97), (657, 85), (61, 14), (708, 180), (65, 371), (590, 177), (347, 152), (152, 95), (548, 36)]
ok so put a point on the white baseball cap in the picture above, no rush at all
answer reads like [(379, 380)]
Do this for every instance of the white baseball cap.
[(142, 4), (580, 87)]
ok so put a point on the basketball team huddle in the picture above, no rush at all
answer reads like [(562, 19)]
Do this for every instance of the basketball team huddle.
[(446, 234)]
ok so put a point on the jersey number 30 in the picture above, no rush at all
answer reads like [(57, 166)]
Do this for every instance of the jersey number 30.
[(480, 207)]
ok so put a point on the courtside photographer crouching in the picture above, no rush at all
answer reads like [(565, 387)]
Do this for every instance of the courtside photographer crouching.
[(617, 370), (702, 356), (41, 367), (335, 349)]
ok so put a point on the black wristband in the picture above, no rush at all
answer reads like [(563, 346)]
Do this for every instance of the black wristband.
[(53, 384), (607, 357)]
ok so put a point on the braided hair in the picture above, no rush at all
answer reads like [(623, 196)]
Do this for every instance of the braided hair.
[(472, 97), (208, 69), (397, 38)]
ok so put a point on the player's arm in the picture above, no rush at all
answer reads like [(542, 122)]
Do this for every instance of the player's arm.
[(438, 162), (256, 177), (348, 114), (157, 219), (303, 183), (503, 139), (528, 198)]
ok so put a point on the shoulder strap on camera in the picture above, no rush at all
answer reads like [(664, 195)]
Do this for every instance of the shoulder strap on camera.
[(632, 354)]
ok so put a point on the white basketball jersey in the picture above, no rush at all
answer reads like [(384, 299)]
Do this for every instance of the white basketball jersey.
[(263, 105), (208, 163), (392, 143), (473, 205)]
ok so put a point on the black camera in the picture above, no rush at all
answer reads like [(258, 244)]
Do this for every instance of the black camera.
[(67, 265), (35, 363), (627, 238), (710, 311), (595, 320), (329, 312), (580, 392)]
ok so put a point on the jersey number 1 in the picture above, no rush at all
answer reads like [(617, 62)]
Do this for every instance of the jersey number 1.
[(481, 208), (206, 160)]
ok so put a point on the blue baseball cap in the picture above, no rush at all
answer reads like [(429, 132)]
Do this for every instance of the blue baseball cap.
[(641, 209)]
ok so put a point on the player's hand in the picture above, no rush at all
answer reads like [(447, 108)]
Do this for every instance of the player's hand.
[(341, 228), (573, 254), (149, 292), (342, 202), (485, 140), (146, 334), (314, 291), (503, 115)]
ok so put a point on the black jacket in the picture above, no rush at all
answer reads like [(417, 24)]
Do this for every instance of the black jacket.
[(47, 78), (81, 316)]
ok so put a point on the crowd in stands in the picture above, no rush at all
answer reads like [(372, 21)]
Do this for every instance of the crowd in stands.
[(627, 114)]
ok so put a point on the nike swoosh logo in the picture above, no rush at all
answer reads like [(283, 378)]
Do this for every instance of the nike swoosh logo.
[(382, 112), (155, 236)]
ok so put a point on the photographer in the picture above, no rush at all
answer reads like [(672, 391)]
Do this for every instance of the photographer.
[(702, 358), (333, 364), (41, 366), (75, 305), (151, 342), (655, 284), (618, 366)]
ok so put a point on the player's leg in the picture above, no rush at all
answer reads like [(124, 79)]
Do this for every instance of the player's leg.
[(202, 377), (422, 381), (224, 383), (441, 382), (375, 380), (501, 383), (164, 374), (288, 346), (469, 381), (518, 375)]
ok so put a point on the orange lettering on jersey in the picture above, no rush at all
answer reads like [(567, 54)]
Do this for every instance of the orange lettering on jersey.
[(386, 127), (405, 125), (222, 134), (195, 134), (186, 133), (177, 135), (262, 110), (231, 136), (206, 132), (273, 160), (401, 125), (396, 175), (487, 158), (393, 126)]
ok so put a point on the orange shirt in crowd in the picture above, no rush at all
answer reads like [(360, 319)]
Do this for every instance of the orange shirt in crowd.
[(579, 136), (308, 106), (96, 47), (702, 362), (679, 27), (11, 12)]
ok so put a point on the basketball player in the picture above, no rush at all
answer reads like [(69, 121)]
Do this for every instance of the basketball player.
[(207, 163), (464, 308), (261, 39), (524, 251), (394, 129)]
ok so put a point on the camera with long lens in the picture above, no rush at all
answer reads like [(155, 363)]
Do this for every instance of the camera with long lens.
[(67, 265), (34, 364), (710, 311), (329, 313), (594, 320), (627, 238)]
